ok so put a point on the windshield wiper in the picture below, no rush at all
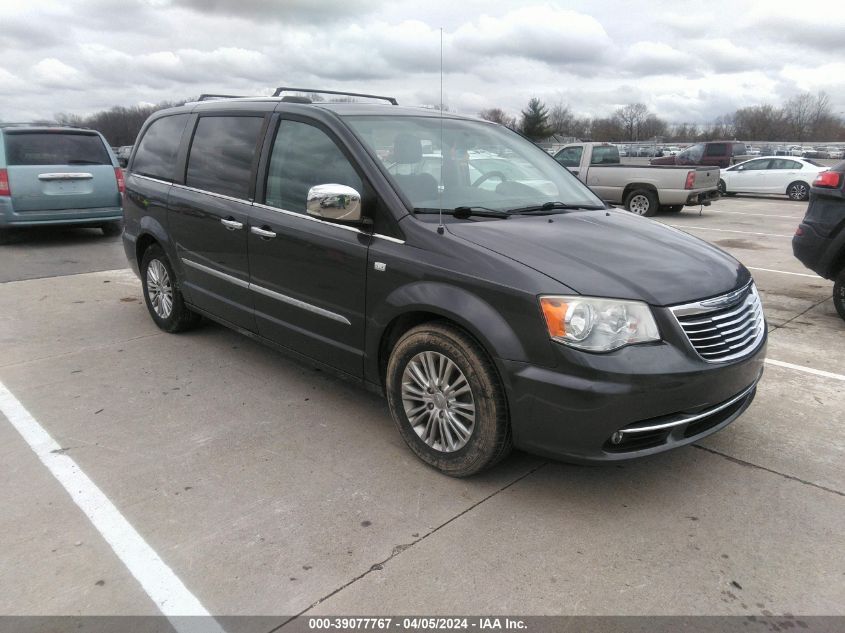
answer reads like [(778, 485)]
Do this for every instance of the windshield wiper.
[(82, 161), (465, 212), (550, 207), (485, 212)]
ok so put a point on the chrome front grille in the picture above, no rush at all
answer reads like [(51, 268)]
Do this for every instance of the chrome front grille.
[(724, 328)]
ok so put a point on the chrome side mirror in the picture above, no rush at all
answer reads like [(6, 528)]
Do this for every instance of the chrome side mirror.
[(334, 202)]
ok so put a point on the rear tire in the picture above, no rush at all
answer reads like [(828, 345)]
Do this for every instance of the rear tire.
[(723, 189), (642, 202), (839, 294), (798, 190), (112, 229), (162, 295), (447, 401)]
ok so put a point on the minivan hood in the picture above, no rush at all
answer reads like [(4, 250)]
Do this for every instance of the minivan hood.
[(612, 254)]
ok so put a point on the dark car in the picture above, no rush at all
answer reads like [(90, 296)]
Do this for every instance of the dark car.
[(490, 317), (715, 153), (123, 153), (819, 241)]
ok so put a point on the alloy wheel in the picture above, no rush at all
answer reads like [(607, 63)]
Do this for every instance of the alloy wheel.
[(159, 289), (438, 401), (798, 191)]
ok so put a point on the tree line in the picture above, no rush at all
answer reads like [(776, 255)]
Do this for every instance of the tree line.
[(119, 124), (804, 118)]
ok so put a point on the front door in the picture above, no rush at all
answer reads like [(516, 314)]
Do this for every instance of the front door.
[(308, 275), (209, 214), (750, 177)]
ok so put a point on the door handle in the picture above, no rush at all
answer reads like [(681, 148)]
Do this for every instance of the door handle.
[(262, 232), (232, 225)]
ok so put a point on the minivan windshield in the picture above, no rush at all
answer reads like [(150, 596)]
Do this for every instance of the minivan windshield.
[(476, 165)]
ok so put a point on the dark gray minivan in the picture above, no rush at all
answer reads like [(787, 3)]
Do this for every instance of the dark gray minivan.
[(448, 263)]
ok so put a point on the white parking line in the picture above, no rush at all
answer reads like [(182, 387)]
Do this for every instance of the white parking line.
[(809, 370), (157, 579), (765, 215), (783, 272), (707, 228)]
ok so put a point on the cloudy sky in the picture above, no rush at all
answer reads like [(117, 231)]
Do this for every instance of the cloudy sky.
[(688, 61)]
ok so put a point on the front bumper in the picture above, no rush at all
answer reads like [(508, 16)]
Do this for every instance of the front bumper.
[(655, 397)]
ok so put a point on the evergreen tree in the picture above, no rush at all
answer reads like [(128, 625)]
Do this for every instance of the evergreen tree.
[(535, 120)]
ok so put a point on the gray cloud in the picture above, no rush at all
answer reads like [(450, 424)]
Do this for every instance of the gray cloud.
[(687, 67), (300, 11)]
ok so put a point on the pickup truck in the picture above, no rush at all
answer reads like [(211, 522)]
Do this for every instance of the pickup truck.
[(642, 189)]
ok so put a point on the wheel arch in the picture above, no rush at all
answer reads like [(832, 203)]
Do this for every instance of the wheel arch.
[(421, 302), (634, 186), (152, 232)]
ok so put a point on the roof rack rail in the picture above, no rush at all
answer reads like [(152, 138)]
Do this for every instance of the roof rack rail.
[(279, 91), (32, 124), (209, 97)]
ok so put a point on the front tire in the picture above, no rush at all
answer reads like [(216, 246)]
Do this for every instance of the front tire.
[(839, 294), (642, 202), (447, 401), (798, 190), (162, 295)]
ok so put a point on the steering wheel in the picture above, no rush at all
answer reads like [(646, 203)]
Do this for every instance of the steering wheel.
[(489, 174)]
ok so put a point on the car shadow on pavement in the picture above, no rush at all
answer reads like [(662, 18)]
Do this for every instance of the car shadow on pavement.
[(48, 236)]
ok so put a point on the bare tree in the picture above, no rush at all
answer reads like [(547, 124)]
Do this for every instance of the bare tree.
[(606, 129), (497, 115), (560, 119), (760, 123), (799, 113), (631, 118), (653, 126)]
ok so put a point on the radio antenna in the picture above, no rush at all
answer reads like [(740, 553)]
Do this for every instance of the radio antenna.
[(440, 227)]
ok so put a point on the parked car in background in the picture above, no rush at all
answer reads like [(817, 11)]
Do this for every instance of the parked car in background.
[(836, 152), (716, 153), (819, 241), (643, 189), (771, 174), (489, 318), (123, 154), (815, 152), (58, 175)]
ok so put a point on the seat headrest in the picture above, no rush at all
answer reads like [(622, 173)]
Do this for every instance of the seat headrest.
[(407, 149)]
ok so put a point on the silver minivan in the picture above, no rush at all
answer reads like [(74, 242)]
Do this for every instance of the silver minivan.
[(58, 176)]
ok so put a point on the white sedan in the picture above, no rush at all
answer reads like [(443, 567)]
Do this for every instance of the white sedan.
[(771, 174)]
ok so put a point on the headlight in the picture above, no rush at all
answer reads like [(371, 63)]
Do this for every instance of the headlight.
[(598, 325)]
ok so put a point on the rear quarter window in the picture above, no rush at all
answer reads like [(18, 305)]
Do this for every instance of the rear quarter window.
[(55, 148), (716, 149), (156, 154)]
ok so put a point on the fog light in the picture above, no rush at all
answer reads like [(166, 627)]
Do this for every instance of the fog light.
[(616, 438)]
